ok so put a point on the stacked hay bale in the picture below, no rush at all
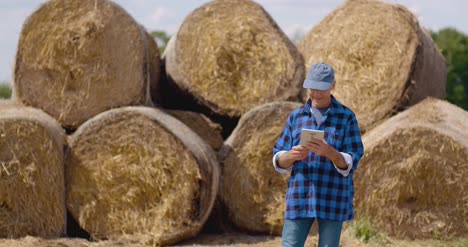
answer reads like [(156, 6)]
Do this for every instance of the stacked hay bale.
[(248, 171), (32, 190), (412, 178), (229, 56), (384, 61), (78, 58), (154, 68), (209, 131), (138, 173)]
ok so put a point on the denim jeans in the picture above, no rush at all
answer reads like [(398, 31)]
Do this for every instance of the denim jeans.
[(295, 232)]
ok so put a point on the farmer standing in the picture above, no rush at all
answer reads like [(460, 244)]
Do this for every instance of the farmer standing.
[(321, 182)]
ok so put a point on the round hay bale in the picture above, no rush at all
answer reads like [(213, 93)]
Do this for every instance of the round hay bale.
[(78, 58), (138, 173), (384, 61), (230, 56), (154, 68), (209, 131), (252, 191), (32, 187), (413, 175)]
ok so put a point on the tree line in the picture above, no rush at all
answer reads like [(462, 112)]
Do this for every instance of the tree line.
[(454, 46), (452, 43)]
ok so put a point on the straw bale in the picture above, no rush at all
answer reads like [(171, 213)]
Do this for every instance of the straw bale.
[(32, 188), (77, 58), (248, 171), (154, 68), (209, 131), (412, 179), (138, 173), (229, 56), (384, 61)]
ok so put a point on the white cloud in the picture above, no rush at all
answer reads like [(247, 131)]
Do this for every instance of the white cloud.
[(296, 29), (10, 31), (161, 18), (160, 14), (436, 14), (300, 3), (416, 10)]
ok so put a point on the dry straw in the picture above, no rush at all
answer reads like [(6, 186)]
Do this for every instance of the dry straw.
[(32, 191), (209, 131), (154, 68), (252, 191), (61, 242), (384, 60), (231, 56), (7, 102), (137, 173), (77, 58), (412, 179)]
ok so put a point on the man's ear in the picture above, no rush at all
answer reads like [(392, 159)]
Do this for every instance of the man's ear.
[(333, 85)]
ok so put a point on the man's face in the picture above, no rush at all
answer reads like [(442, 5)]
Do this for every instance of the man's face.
[(320, 98)]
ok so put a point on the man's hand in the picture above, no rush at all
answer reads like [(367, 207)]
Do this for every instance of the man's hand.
[(299, 152), (296, 153), (320, 147)]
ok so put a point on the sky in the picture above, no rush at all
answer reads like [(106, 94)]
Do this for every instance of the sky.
[(292, 16)]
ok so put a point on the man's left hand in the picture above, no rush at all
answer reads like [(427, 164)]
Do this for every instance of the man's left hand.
[(321, 147)]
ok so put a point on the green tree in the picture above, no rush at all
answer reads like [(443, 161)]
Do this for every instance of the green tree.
[(5, 90), (297, 36), (162, 38), (454, 46)]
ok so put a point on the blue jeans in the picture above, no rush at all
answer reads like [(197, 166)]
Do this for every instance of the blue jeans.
[(295, 232)]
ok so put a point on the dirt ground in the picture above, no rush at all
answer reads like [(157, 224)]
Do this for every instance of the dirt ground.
[(346, 241), (231, 239)]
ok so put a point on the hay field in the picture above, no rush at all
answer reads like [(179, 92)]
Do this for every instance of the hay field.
[(135, 176)]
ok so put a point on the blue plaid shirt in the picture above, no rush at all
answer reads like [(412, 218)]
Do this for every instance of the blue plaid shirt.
[(315, 188)]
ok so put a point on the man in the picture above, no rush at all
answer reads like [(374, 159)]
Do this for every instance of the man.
[(321, 182)]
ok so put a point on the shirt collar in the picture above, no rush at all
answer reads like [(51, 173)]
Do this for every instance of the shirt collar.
[(333, 106)]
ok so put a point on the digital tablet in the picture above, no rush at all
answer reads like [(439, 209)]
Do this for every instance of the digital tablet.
[(308, 134)]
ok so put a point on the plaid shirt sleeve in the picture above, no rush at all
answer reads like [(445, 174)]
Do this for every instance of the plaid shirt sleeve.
[(352, 143), (284, 141)]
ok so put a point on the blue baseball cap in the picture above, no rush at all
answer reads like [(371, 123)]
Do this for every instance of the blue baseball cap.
[(320, 77)]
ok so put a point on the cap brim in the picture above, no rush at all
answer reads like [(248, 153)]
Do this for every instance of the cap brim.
[(317, 85)]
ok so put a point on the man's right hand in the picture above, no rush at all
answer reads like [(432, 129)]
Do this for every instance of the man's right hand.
[(299, 152), (296, 153)]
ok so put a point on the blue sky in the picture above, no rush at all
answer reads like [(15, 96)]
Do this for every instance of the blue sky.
[(167, 15)]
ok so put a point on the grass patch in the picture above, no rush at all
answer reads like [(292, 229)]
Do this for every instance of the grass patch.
[(5, 91), (461, 243), (363, 230)]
